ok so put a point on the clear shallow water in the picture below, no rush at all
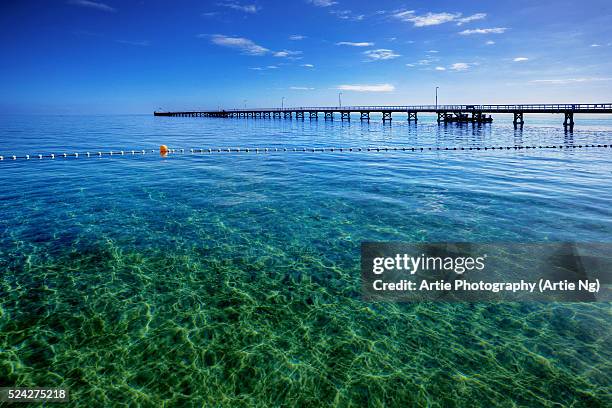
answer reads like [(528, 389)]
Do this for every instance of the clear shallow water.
[(233, 279)]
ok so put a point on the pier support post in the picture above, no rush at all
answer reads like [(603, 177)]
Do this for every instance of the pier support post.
[(329, 115), (386, 116), (412, 116), (299, 114), (569, 120), (313, 115), (288, 115), (518, 119), (365, 116), (441, 116), (346, 116)]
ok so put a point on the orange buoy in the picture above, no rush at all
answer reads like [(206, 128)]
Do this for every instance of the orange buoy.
[(163, 150)]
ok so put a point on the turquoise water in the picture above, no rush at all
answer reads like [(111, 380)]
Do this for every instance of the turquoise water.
[(232, 279)]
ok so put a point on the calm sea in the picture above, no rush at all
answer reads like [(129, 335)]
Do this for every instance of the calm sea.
[(232, 279)]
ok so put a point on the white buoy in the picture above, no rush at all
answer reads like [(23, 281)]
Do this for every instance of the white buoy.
[(52, 156), (27, 157), (76, 155)]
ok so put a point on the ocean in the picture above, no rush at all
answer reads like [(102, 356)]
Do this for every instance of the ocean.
[(233, 279)]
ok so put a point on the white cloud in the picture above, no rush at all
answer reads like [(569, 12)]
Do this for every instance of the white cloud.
[(460, 66), (432, 51), (426, 61), (93, 4), (367, 88), (520, 59), (440, 69), (347, 15), (568, 80), (490, 42), (428, 19), (247, 8), (288, 54), (595, 45), (322, 3), (249, 47), (410, 65), (301, 88), (432, 19), (308, 65), (496, 30), (296, 37), (380, 54), (264, 68), (243, 44), (473, 17), (355, 44)]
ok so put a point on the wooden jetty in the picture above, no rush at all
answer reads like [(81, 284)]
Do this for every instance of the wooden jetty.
[(445, 113)]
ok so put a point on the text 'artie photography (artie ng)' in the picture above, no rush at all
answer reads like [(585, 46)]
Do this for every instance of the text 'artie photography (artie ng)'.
[(408, 272)]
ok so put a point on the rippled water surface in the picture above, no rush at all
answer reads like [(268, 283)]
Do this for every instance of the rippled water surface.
[(232, 279)]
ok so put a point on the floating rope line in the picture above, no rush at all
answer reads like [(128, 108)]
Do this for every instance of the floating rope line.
[(167, 151)]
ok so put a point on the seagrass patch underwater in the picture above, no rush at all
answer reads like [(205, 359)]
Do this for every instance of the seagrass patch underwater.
[(233, 280)]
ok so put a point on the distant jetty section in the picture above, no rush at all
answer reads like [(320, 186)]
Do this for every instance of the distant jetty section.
[(446, 113)]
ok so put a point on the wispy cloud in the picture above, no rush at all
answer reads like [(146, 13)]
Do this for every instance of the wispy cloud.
[(322, 3), (246, 8), (496, 30), (520, 59), (249, 47), (564, 81), (296, 37), (288, 54), (460, 66), (263, 68), (136, 43), (301, 88), (490, 42), (432, 19), (243, 44), (440, 69), (355, 44), (347, 15), (308, 65), (367, 88), (93, 5), (473, 17), (595, 45), (380, 54)]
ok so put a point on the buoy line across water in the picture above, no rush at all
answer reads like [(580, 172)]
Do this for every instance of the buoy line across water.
[(165, 151)]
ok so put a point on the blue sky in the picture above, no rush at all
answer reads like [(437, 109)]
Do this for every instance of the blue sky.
[(110, 56)]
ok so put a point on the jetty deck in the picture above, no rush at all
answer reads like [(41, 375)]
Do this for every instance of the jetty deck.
[(445, 113)]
